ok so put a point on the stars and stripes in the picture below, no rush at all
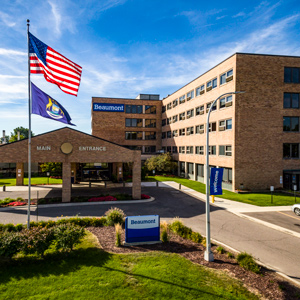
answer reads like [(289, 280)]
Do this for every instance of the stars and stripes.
[(56, 68)]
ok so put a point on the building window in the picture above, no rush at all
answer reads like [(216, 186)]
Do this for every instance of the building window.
[(169, 134), (150, 123), (212, 150), (169, 105), (208, 105), (227, 175), (226, 101), (134, 109), (169, 120), (174, 149), (290, 150), (133, 135), (199, 129), (175, 102), (225, 150), (182, 131), (227, 76), (200, 110), (163, 109), (163, 135), (200, 170), (182, 116), (150, 109), (134, 122), (291, 124), (163, 122), (175, 119), (199, 150), (182, 149), (190, 95), (169, 149), (291, 100), (225, 125), (175, 133), (150, 149), (190, 130), (190, 113), (150, 135), (189, 149), (182, 99), (212, 126), (291, 75)]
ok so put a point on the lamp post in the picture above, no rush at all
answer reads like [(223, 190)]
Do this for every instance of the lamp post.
[(208, 255)]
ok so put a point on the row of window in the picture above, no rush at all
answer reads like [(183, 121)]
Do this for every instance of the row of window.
[(198, 129), (291, 150), (291, 124), (138, 109), (224, 102), (211, 84), (199, 168), (149, 123), (291, 75), (224, 150), (140, 135), (143, 149)]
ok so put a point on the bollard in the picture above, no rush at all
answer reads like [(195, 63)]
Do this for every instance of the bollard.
[(90, 184), (4, 187), (156, 183), (213, 198), (180, 186)]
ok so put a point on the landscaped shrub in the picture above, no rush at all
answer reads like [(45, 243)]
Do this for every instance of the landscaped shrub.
[(37, 240), (246, 261), (220, 250), (196, 237), (164, 232), (230, 255), (114, 216), (123, 196), (67, 236), (180, 229), (118, 228), (10, 243), (16, 203), (100, 199)]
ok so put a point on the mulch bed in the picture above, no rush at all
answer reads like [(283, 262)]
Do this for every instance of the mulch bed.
[(267, 284)]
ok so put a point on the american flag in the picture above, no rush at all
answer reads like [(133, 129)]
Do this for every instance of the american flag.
[(56, 68)]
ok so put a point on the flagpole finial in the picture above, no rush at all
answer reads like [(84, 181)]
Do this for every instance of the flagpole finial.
[(28, 21)]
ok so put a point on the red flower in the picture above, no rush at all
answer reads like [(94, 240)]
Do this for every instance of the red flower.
[(143, 196)]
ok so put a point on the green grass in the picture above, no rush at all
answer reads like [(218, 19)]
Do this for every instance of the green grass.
[(34, 181), (259, 199), (90, 273)]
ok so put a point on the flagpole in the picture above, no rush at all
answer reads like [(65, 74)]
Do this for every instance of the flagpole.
[(29, 133)]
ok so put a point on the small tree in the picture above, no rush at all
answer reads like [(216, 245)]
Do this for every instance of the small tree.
[(24, 133), (53, 168), (162, 163)]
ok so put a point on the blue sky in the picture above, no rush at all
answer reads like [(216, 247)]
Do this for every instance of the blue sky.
[(128, 47)]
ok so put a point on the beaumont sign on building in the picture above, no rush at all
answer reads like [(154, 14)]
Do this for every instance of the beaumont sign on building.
[(108, 107)]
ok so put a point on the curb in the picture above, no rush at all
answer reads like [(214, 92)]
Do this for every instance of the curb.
[(78, 204)]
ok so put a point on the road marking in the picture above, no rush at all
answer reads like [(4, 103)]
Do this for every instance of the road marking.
[(288, 215)]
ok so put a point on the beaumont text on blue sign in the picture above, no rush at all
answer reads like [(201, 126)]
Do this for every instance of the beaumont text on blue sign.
[(108, 107)]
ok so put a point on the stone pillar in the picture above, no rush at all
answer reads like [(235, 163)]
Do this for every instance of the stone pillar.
[(66, 188), (20, 174), (178, 169), (136, 178), (119, 171), (185, 169)]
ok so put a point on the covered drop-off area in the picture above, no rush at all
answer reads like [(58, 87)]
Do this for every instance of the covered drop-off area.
[(71, 147)]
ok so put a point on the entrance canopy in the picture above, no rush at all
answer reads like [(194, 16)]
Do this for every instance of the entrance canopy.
[(70, 146)]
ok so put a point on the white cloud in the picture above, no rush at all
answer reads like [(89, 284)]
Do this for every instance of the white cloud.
[(7, 19), (57, 17), (10, 52)]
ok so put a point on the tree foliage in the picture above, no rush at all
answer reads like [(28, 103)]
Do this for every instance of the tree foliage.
[(24, 133), (53, 168), (161, 163)]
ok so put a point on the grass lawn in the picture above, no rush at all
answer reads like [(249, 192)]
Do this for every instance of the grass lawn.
[(90, 273), (259, 199), (34, 181)]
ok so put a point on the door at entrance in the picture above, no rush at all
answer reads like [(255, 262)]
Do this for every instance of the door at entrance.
[(94, 172)]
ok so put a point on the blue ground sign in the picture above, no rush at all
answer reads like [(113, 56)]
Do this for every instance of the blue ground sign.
[(108, 107), (216, 177), (142, 229)]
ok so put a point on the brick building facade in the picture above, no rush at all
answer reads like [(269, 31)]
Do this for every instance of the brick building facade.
[(253, 136)]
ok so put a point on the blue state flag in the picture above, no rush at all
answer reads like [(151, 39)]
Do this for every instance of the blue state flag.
[(47, 107), (216, 177)]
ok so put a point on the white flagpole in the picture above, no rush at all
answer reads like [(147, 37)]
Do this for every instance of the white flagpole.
[(29, 133)]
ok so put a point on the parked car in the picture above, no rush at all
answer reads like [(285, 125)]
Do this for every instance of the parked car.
[(296, 209)]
